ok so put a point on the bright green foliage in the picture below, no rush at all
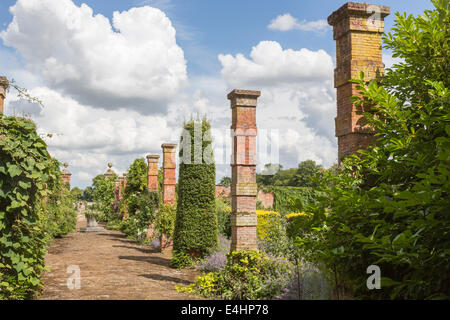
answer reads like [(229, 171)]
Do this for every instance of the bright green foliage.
[(140, 203), (302, 176), (103, 194), (288, 199), (306, 174), (28, 175), (61, 217), (141, 206), (136, 177), (196, 220), (389, 206), (76, 194), (248, 275), (165, 220), (223, 212)]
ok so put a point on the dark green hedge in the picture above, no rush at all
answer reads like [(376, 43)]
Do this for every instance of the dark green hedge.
[(195, 231)]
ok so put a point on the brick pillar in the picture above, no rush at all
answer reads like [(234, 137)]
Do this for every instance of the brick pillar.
[(152, 173), (169, 167), (357, 29), (152, 183), (169, 181), (4, 85), (66, 175), (243, 169)]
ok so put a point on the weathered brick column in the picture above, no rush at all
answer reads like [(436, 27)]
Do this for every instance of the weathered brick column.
[(152, 173), (66, 175), (169, 181), (4, 85), (152, 183), (243, 169), (357, 29), (169, 166)]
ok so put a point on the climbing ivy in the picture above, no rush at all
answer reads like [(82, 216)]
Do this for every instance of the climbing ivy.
[(29, 183)]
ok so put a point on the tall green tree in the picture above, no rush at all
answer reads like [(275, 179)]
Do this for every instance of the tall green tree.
[(305, 174), (103, 193), (196, 221), (389, 205)]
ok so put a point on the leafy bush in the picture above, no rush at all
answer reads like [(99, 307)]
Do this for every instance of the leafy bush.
[(223, 212), (165, 220), (269, 222), (33, 206), (389, 205), (103, 195), (248, 275), (283, 197), (196, 220), (141, 208)]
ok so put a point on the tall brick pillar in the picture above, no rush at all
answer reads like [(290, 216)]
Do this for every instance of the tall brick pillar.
[(169, 181), (243, 169), (152, 183), (357, 29), (4, 85), (66, 175), (169, 166), (152, 173)]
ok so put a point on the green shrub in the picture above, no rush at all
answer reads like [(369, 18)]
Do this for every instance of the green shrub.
[(283, 197), (389, 205), (248, 275), (141, 213), (103, 195), (196, 220), (223, 212), (165, 220), (28, 175)]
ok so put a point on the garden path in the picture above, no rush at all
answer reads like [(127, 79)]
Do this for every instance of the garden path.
[(111, 267)]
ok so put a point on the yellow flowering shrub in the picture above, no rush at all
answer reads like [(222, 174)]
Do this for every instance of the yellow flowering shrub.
[(268, 221)]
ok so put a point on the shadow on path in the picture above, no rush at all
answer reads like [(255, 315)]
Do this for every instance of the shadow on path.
[(153, 260), (161, 277)]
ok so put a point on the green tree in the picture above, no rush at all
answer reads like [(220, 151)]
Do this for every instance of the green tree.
[(389, 205), (196, 221), (88, 194), (305, 174), (136, 177), (225, 181), (103, 193), (76, 193)]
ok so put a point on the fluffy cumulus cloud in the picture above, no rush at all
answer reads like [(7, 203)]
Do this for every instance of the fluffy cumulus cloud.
[(132, 61), (286, 22), (298, 98), (88, 138)]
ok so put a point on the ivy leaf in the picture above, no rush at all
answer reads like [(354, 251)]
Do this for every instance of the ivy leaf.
[(14, 171)]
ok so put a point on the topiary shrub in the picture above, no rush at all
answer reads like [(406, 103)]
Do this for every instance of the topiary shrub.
[(195, 232)]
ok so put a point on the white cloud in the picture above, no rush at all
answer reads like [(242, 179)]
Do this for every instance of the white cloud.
[(270, 64), (132, 62), (297, 97), (286, 22)]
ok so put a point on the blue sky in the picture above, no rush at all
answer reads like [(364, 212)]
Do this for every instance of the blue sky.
[(92, 79)]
